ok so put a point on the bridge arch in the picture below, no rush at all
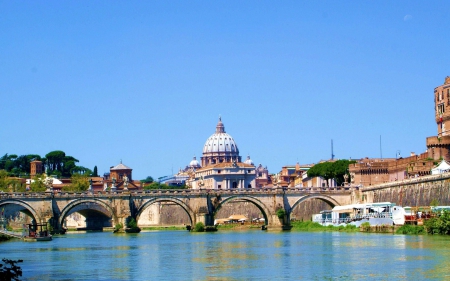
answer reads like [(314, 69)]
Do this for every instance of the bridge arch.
[(67, 209), (177, 201), (28, 209), (260, 205), (327, 199)]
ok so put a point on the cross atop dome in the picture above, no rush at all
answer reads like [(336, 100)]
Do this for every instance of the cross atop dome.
[(220, 128)]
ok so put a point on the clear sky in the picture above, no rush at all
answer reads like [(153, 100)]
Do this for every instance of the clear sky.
[(145, 81)]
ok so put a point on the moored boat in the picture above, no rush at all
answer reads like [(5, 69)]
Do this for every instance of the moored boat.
[(36, 232), (383, 213)]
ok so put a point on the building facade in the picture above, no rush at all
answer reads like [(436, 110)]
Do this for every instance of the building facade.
[(439, 146), (221, 165)]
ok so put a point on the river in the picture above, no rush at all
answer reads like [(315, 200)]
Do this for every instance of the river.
[(233, 255)]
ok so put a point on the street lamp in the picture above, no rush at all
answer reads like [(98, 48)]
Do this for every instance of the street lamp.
[(397, 156)]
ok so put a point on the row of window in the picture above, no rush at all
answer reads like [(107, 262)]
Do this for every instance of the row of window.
[(440, 95)]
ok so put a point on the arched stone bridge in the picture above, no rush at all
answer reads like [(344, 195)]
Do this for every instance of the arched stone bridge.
[(200, 205)]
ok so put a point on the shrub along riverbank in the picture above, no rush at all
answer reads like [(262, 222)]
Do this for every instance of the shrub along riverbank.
[(314, 226)]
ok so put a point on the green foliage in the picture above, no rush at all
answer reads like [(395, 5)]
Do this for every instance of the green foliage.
[(331, 170), (37, 184), (314, 226), (434, 203), (118, 226), (57, 163), (199, 227), (9, 270), (4, 181), (8, 184), (365, 226), (439, 225), (411, 229), (95, 172), (281, 213), (148, 179), (132, 223), (17, 186), (79, 183)]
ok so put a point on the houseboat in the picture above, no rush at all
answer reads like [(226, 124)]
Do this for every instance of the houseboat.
[(36, 232), (384, 213)]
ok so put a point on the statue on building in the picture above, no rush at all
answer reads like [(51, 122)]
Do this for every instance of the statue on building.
[(113, 186), (125, 182), (48, 182)]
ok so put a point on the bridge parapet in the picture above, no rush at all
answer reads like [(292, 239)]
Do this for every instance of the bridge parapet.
[(165, 192)]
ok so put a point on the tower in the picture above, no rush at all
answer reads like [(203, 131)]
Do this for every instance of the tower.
[(36, 168), (439, 146)]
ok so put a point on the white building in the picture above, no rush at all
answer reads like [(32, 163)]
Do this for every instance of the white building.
[(221, 164)]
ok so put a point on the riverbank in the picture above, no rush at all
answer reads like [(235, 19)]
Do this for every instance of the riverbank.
[(4, 238)]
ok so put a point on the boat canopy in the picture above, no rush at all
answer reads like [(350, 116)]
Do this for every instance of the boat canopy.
[(377, 207)]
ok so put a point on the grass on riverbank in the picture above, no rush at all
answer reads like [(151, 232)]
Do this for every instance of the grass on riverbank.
[(238, 226), (411, 229), (314, 226), (164, 228)]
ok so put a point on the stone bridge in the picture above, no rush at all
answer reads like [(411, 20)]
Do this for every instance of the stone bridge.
[(200, 205)]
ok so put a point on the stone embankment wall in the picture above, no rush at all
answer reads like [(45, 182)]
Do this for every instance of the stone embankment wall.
[(414, 192)]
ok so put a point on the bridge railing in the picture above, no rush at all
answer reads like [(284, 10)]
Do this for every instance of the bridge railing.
[(121, 193)]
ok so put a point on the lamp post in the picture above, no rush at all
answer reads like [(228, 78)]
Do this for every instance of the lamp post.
[(397, 156)]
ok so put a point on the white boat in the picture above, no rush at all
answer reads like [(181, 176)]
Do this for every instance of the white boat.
[(384, 213)]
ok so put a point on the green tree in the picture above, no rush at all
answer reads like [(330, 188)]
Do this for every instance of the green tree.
[(37, 183), (78, 183), (55, 160), (5, 181), (330, 170), (95, 172), (148, 179)]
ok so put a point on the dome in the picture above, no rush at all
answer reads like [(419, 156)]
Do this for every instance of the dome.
[(249, 161), (220, 141), (194, 163)]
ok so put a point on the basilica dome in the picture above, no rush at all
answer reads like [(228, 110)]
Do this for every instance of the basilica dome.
[(194, 163), (220, 147)]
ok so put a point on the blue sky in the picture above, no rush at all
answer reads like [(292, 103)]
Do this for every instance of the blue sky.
[(145, 82)]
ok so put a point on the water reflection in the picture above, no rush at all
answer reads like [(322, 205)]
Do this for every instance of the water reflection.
[(180, 255)]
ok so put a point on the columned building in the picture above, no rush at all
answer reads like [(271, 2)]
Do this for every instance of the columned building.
[(221, 164)]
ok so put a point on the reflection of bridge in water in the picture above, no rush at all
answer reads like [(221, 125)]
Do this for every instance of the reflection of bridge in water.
[(105, 209)]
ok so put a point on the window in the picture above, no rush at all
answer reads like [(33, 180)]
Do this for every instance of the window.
[(441, 108), (219, 186), (219, 171)]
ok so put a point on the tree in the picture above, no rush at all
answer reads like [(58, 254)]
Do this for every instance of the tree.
[(95, 173), (148, 179), (331, 170), (37, 184), (79, 183), (323, 170), (4, 181), (55, 160)]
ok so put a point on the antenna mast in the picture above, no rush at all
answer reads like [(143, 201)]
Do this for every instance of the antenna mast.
[(332, 153), (381, 151)]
